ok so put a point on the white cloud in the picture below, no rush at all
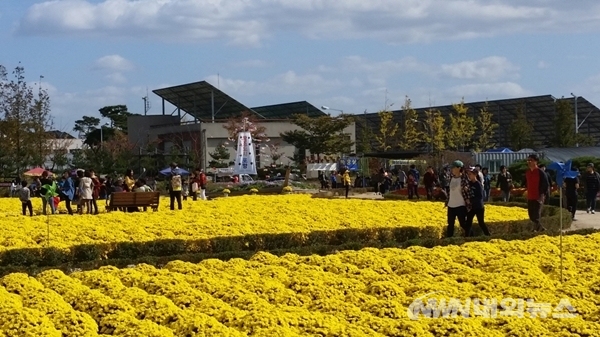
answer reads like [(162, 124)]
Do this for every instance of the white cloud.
[(543, 64), (245, 22), (113, 63), (488, 69), (251, 64), (489, 90)]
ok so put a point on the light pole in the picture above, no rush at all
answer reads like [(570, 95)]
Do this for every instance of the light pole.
[(428, 130), (102, 134), (328, 108), (576, 119)]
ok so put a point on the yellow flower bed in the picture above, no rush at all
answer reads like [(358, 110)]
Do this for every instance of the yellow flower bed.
[(223, 217), (351, 293)]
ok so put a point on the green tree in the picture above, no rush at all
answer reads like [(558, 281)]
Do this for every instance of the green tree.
[(564, 125), (520, 130), (487, 128), (462, 127), (363, 145), (117, 114), (411, 136), (387, 130), (85, 125), (320, 135), (24, 122), (220, 157), (435, 135)]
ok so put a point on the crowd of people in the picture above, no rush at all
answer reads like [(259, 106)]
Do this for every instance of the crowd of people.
[(84, 189)]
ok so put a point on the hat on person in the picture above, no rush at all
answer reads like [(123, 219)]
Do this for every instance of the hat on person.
[(473, 169), (590, 165), (458, 163)]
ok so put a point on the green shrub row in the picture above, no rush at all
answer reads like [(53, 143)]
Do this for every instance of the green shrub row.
[(49, 257)]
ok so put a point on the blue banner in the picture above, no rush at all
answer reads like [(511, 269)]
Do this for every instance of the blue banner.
[(350, 163)]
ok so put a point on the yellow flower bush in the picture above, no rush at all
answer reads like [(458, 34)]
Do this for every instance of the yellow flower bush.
[(224, 217), (350, 293)]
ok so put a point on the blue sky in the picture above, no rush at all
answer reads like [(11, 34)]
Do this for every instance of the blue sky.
[(348, 55)]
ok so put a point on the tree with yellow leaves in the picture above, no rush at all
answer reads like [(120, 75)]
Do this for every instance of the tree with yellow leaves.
[(462, 127), (411, 135), (435, 135), (387, 130), (487, 127)]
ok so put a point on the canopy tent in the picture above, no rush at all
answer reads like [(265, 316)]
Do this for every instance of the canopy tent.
[(177, 170), (500, 150), (312, 170), (36, 172)]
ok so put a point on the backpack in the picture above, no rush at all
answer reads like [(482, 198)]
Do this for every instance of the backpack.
[(176, 183)]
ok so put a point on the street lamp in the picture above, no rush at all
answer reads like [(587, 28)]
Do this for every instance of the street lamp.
[(328, 108), (429, 131), (576, 119)]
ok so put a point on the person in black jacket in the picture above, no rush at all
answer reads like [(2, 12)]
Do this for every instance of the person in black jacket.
[(571, 186), (505, 183), (477, 207), (543, 168)]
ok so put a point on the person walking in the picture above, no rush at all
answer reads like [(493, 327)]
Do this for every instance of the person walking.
[(477, 206), (25, 197), (591, 180), (401, 179), (347, 181), (542, 167), (47, 195), (537, 185), (445, 180), (67, 190), (429, 180), (487, 184), (86, 191), (415, 186), (459, 199), (571, 186), (175, 187), (505, 183)]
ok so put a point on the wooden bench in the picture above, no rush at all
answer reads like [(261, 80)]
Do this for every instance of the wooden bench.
[(133, 199)]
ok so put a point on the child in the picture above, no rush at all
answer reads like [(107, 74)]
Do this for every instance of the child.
[(25, 197), (477, 208)]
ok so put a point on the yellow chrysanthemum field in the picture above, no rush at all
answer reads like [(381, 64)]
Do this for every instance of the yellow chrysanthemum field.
[(352, 293), (498, 288), (224, 217)]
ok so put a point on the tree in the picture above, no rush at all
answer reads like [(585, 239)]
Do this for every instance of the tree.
[(118, 116), (564, 125), (411, 136), (436, 127), (387, 130), (320, 135), (363, 145), (85, 125), (487, 128), (520, 130), (275, 153), (246, 122), (24, 122), (462, 127), (220, 157)]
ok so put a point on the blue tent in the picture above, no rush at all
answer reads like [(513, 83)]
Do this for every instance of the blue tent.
[(500, 150), (178, 170)]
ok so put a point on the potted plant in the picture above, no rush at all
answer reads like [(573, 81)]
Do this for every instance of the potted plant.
[(253, 191), (287, 190), (226, 192)]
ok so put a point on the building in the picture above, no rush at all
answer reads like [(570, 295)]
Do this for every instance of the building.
[(539, 110), (208, 110), (63, 147)]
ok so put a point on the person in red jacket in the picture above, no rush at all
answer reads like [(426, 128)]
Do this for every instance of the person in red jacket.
[(537, 186)]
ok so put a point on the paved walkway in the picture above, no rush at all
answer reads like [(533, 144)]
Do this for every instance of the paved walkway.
[(583, 220)]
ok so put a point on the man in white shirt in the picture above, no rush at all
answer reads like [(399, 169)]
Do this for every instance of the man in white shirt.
[(459, 198)]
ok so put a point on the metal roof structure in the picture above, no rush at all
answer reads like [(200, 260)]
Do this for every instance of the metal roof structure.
[(286, 110), (205, 102), (564, 154), (539, 110), (201, 100)]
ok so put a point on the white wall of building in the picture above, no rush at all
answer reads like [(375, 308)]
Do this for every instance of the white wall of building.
[(71, 145)]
